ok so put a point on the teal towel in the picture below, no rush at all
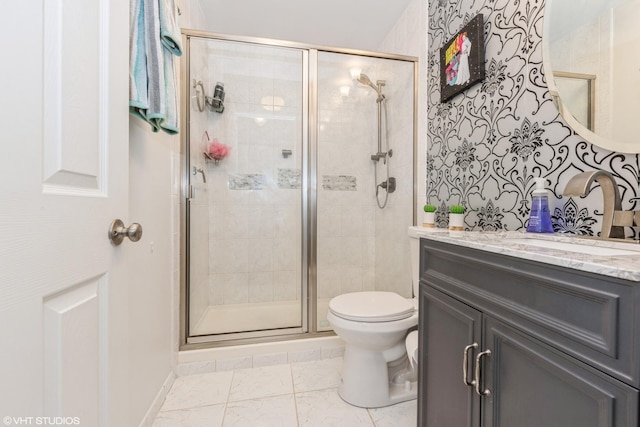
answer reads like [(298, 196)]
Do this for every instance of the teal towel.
[(169, 29), (138, 94), (153, 92), (155, 64), (170, 123), (170, 38)]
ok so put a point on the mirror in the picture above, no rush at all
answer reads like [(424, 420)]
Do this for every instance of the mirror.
[(592, 63)]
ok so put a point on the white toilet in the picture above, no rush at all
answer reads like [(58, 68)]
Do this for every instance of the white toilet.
[(377, 370)]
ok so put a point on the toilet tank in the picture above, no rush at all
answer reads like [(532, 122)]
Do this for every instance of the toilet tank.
[(414, 248)]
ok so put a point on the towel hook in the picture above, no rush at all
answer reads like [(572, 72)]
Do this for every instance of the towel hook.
[(200, 97)]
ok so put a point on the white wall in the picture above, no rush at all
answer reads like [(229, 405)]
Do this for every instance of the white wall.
[(155, 192), (152, 267)]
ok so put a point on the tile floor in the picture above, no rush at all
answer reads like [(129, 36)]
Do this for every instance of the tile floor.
[(295, 394)]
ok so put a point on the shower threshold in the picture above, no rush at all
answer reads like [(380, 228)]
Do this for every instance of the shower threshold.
[(231, 318)]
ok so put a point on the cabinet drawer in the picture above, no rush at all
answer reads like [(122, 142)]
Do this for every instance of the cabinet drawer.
[(589, 316)]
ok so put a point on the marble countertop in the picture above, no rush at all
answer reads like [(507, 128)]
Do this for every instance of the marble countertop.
[(615, 259)]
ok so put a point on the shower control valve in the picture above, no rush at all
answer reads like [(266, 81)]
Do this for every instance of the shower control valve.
[(389, 185)]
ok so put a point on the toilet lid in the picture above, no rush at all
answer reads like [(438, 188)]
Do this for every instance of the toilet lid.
[(371, 306)]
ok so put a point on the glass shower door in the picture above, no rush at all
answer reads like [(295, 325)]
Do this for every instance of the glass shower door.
[(245, 208), (365, 138)]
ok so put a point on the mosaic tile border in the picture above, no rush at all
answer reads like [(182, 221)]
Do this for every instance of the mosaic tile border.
[(339, 183), (289, 179), (250, 181)]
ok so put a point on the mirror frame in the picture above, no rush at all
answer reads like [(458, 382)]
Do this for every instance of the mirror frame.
[(589, 136)]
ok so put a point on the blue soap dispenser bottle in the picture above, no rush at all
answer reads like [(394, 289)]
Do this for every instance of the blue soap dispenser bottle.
[(540, 218)]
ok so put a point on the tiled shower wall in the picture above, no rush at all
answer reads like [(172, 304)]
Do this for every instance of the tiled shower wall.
[(487, 144)]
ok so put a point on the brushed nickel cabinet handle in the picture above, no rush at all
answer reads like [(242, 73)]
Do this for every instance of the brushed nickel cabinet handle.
[(486, 391), (465, 362)]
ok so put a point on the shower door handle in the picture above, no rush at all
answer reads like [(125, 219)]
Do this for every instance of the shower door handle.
[(117, 232)]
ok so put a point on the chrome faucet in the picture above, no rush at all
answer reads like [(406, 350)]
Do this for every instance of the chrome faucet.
[(580, 185)]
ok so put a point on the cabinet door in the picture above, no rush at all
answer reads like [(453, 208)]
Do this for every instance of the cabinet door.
[(446, 327), (533, 385)]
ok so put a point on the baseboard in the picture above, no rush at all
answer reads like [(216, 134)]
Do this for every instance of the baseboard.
[(154, 408)]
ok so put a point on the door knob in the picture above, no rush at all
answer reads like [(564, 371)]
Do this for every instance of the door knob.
[(117, 232)]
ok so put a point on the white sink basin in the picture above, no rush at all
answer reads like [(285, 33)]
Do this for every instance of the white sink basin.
[(572, 247)]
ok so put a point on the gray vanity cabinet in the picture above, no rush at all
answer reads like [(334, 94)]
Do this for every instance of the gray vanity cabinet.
[(537, 372)]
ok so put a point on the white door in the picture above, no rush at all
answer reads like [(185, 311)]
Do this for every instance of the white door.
[(63, 179)]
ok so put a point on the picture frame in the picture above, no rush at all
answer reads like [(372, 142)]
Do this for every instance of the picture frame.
[(462, 59)]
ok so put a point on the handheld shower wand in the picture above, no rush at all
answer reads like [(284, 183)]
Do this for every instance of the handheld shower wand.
[(365, 80)]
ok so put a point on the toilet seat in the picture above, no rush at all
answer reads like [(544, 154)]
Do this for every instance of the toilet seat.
[(371, 307)]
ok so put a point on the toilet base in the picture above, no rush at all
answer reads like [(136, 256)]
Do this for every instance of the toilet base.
[(368, 380), (397, 393)]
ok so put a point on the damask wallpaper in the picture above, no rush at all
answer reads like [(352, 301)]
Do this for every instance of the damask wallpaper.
[(487, 144)]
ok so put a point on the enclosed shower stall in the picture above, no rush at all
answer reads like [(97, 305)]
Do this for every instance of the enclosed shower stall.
[(298, 176)]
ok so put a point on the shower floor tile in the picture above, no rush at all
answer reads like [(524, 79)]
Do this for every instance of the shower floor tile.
[(296, 394)]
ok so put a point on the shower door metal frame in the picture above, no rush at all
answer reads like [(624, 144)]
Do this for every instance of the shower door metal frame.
[(309, 189)]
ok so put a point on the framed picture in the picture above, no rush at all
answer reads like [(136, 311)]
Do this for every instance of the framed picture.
[(462, 59)]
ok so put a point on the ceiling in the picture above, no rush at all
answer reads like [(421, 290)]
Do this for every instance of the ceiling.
[(356, 24)]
